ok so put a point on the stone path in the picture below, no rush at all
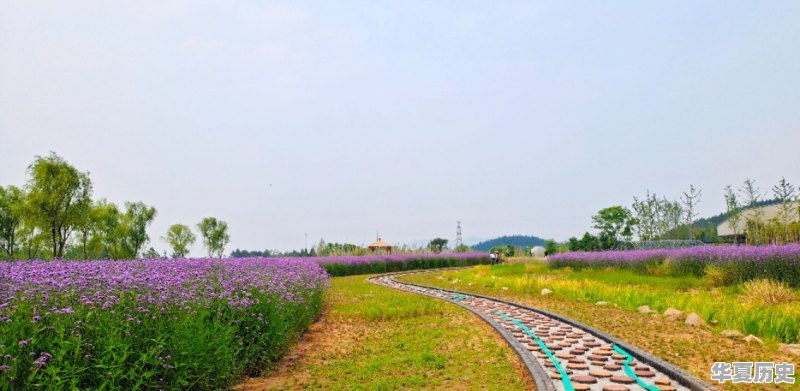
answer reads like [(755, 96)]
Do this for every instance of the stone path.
[(562, 354)]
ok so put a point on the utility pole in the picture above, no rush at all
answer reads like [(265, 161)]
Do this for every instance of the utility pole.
[(459, 242)]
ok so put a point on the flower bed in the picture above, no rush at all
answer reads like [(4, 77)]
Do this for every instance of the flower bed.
[(162, 324), (739, 263)]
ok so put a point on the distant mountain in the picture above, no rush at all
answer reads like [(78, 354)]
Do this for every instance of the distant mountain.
[(514, 240)]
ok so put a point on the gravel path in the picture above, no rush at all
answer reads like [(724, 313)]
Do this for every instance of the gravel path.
[(562, 354)]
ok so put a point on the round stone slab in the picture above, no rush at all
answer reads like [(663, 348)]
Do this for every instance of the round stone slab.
[(622, 379), (600, 373), (662, 382), (614, 387), (612, 367), (644, 373), (577, 366), (584, 379)]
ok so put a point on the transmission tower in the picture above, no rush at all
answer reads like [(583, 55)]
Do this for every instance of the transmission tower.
[(459, 242)]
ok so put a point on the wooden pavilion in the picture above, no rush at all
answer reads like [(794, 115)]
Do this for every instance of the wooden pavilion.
[(380, 245)]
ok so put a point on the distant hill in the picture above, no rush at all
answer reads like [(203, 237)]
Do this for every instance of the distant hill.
[(514, 240)]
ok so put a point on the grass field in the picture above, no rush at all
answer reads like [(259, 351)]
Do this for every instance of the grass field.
[(575, 295), (377, 338)]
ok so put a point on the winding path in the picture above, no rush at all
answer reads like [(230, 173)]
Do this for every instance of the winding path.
[(562, 354)]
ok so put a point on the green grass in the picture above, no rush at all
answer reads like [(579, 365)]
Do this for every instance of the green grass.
[(629, 290), (378, 338), (576, 292)]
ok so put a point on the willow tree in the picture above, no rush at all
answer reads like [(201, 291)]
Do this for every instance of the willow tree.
[(215, 235), (59, 197)]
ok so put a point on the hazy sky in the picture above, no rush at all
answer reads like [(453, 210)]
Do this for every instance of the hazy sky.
[(404, 116)]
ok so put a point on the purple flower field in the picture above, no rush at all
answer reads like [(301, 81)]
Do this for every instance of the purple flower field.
[(161, 323), (366, 264), (159, 283), (779, 262)]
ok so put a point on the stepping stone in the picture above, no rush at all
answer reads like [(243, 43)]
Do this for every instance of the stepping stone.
[(600, 373), (662, 382), (577, 366), (612, 367), (642, 368), (576, 361), (644, 373), (622, 380), (577, 351), (618, 356), (581, 387), (666, 388), (565, 355), (555, 375), (595, 357), (584, 379), (614, 387)]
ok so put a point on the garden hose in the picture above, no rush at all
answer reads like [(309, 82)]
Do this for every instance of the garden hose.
[(630, 372), (564, 376)]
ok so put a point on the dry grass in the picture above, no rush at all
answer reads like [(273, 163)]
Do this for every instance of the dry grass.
[(769, 292)]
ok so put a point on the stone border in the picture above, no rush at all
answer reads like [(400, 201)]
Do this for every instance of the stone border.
[(679, 375)]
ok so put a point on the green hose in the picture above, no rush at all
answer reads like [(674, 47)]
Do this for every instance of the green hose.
[(630, 372), (564, 377)]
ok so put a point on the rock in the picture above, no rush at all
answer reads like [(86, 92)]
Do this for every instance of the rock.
[(731, 334), (793, 349), (601, 303), (645, 309), (753, 339), (674, 315), (695, 320), (546, 292)]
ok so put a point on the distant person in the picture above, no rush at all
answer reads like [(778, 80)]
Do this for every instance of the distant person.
[(493, 257)]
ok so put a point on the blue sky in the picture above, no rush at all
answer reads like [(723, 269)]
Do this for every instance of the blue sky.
[(402, 117)]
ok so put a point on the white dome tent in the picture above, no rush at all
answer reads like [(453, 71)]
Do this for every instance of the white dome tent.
[(538, 252)]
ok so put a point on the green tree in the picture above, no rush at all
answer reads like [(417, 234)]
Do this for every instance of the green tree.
[(550, 247), (690, 200), (59, 196), (507, 250), (462, 248), (110, 229), (215, 235), (180, 237), (437, 245), (137, 217), (151, 253), (12, 209), (734, 212), (616, 222)]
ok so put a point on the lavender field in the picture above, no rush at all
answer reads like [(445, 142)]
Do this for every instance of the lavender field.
[(188, 324), (734, 263), (365, 264)]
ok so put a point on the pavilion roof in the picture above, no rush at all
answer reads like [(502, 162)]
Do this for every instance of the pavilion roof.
[(379, 244)]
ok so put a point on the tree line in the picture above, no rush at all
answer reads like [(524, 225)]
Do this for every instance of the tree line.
[(657, 218), (53, 216)]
